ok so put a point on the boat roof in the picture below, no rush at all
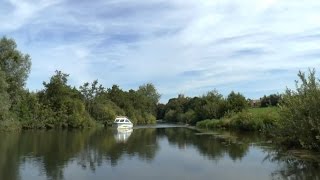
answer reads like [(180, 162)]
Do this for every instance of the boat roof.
[(121, 117)]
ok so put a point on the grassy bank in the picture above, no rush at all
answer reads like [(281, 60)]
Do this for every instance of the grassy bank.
[(253, 119)]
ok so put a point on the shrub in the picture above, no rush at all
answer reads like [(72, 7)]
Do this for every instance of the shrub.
[(300, 113)]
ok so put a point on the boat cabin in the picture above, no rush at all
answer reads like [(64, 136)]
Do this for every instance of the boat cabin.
[(122, 119)]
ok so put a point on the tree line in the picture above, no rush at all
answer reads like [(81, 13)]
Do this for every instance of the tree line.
[(58, 104), (212, 105)]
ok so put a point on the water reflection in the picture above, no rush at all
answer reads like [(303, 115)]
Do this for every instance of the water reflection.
[(291, 167), (50, 153), (122, 134)]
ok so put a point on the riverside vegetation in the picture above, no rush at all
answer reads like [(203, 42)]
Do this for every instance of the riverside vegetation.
[(60, 105), (292, 118)]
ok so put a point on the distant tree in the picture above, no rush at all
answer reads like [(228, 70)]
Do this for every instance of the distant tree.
[(117, 95), (150, 91), (236, 102), (150, 97), (271, 100), (90, 92), (175, 108), (161, 111), (215, 105)]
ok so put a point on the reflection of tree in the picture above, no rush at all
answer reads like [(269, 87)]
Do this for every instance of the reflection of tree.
[(292, 167), (54, 149), (141, 143), (51, 151), (9, 161), (214, 147)]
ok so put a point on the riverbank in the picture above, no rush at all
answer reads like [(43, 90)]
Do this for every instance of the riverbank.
[(253, 119)]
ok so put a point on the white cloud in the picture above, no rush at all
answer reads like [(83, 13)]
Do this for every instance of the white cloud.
[(228, 42), (22, 12)]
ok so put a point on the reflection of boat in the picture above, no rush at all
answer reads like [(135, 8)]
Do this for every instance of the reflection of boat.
[(122, 122), (122, 134)]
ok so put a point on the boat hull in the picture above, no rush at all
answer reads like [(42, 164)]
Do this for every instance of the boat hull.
[(122, 125)]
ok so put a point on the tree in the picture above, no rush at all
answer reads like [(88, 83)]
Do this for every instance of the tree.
[(57, 91), (65, 102), (236, 102), (161, 110), (90, 92), (149, 97), (150, 92), (15, 66), (4, 97), (271, 100), (214, 106)]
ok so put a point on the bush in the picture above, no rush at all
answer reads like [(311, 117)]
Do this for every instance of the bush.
[(246, 121), (300, 113)]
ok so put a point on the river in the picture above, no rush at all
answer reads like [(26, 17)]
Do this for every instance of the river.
[(155, 152)]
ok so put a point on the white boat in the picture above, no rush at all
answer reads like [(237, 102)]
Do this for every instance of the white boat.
[(122, 122)]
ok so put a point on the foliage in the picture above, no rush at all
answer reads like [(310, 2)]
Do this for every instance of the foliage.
[(236, 102), (66, 103), (4, 98), (271, 100), (104, 105), (209, 106), (300, 114), (9, 125), (15, 68), (255, 119), (161, 110), (150, 97)]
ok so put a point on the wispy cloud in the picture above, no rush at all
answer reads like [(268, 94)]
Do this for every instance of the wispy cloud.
[(252, 46)]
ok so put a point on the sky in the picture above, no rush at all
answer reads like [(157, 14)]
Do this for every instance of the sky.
[(189, 47)]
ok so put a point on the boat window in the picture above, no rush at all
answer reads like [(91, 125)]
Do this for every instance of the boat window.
[(127, 121), (117, 120), (121, 120)]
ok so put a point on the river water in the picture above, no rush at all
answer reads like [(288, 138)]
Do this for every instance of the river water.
[(160, 152)]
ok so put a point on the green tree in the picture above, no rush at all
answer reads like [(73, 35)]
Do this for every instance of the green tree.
[(175, 109), (271, 100), (150, 91), (65, 102), (16, 67), (150, 97), (161, 110), (300, 113), (90, 92), (236, 102), (215, 105)]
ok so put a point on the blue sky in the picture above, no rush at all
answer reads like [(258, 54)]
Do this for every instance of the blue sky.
[(255, 47)]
